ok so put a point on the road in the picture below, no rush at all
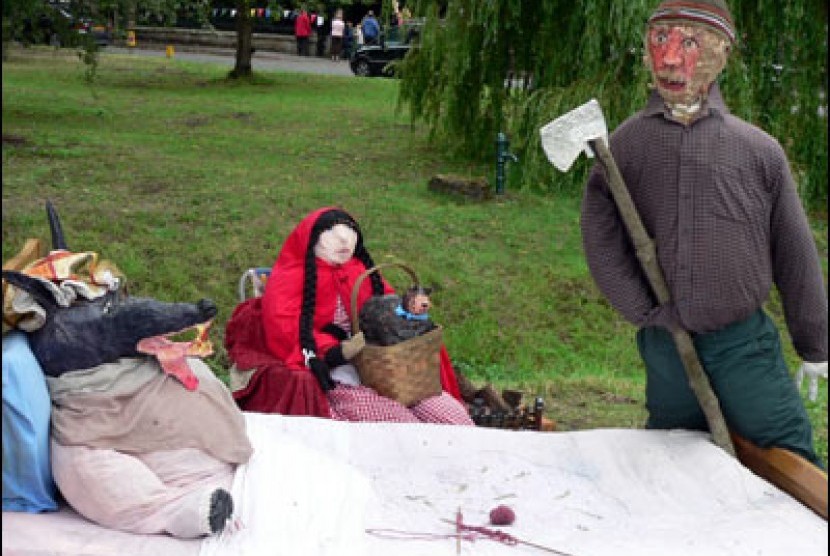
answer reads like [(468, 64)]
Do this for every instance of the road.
[(261, 60)]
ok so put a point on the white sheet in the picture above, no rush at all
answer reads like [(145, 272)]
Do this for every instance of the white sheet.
[(315, 485)]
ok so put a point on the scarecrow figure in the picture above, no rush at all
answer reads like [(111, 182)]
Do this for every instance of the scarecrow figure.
[(303, 325), (144, 437), (717, 196)]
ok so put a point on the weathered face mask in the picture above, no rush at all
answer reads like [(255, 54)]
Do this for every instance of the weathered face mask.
[(336, 245), (684, 59)]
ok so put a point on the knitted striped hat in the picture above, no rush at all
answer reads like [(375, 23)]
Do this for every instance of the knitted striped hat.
[(712, 13)]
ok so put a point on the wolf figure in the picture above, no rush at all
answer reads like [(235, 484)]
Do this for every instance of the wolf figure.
[(118, 419)]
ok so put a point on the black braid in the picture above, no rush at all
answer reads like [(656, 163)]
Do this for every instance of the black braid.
[(363, 256), (309, 302)]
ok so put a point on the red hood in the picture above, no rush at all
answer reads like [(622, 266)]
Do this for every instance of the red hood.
[(283, 298)]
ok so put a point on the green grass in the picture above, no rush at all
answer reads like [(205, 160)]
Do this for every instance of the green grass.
[(184, 180)]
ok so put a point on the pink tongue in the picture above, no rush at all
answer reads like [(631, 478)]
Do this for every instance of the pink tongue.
[(172, 357)]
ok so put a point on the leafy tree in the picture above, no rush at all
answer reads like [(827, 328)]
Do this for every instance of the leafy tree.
[(566, 52)]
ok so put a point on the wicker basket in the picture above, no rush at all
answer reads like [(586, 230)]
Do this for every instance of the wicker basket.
[(407, 372)]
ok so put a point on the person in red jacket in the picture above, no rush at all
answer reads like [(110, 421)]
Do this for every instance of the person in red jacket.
[(302, 30), (305, 316)]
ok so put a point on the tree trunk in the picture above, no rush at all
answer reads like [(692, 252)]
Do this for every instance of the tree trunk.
[(244, 40)]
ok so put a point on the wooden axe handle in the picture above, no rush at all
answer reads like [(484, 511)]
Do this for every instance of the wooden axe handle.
[(647, 255)]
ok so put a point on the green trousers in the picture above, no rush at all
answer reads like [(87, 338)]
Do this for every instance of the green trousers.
[(749, 376)]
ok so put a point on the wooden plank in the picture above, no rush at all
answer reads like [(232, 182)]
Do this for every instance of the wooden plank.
[(788, 471)]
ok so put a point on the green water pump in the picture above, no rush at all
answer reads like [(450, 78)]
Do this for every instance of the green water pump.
[(503, 155)]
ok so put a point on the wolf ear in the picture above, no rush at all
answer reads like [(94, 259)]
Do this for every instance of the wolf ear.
[(58, 241), (34, 287)]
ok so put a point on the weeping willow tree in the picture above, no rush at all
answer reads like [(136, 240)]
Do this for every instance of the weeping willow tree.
[(566, 52)]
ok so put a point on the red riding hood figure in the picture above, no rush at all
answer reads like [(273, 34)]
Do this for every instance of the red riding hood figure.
[(306, 328)]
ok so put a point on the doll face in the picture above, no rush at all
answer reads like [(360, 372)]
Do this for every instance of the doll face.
[(336, 245), (684, 60)]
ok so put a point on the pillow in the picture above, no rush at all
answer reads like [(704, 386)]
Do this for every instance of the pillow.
[(27, 472)]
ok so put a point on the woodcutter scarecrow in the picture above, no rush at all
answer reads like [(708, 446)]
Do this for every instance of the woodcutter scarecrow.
[(716, 196)]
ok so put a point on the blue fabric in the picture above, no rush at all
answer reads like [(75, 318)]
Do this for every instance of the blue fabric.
[(27, 473), (401, 312)]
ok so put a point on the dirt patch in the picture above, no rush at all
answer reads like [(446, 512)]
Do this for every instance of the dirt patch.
[(243, 116), (196, 121), (14, 140)]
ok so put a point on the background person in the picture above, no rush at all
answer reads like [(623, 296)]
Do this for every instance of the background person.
[(371, 28), (338, 28), (302, 30)]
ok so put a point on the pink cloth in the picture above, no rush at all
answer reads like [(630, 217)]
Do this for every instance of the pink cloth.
[(153, 493), (361, 403)]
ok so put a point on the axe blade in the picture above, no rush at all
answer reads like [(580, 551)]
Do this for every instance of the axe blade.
[(568, 135)]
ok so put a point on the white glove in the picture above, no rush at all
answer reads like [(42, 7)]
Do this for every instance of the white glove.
[(813, 371)]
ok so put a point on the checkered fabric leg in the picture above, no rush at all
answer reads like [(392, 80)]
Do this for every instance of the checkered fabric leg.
[(442, 409), (361, 403)]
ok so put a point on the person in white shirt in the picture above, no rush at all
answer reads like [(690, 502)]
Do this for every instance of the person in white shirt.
[(337, 27)]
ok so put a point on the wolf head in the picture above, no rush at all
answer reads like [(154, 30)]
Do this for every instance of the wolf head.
[(92, 332), (89, 333)]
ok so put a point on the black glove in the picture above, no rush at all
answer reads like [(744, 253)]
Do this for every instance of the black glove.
[(321, 372), (335, 331), (345, 351)]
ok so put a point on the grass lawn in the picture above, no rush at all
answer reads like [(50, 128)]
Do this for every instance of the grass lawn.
[(184, 180)]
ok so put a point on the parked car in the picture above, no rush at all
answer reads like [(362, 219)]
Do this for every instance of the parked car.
[(53, 23), (99, 33), (376, 59)]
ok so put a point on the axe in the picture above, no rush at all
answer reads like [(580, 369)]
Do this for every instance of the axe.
[(583, 130)]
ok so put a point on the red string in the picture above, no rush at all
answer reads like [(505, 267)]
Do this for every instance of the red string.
[(499, 536), (465, 532)]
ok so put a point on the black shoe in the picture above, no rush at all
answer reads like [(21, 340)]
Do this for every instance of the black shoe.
[(221, 508)]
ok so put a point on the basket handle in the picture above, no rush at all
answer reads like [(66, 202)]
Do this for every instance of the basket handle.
[(363, 275)]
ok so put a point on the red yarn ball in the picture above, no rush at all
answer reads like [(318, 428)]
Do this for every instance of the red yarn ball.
[(502, 515)]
